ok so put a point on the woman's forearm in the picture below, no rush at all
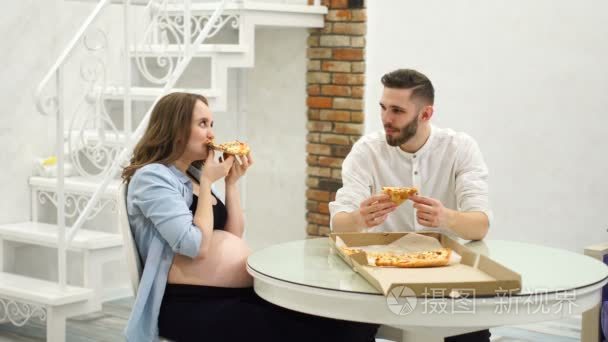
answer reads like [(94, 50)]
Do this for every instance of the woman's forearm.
[(235, 222), (203, 218)]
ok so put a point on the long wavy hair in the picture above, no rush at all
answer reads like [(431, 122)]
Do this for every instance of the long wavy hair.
[(167, 133)]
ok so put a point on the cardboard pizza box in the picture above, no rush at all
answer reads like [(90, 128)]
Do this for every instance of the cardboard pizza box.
[(474, 276)]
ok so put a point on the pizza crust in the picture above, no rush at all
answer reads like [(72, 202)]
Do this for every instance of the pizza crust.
[(350, 251), (236, 147)]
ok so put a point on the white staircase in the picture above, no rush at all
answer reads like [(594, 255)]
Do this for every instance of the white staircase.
[(24, 298), (44, 234), (101, 91)]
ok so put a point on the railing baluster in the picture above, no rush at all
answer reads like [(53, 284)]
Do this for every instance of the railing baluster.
[(127, 115), (128, 149), (61, 233), (187, 26), (154, 25), (34, 200)]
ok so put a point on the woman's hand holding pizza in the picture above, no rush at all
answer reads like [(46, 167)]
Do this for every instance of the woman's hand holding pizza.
[(214, 170), (238, 169)]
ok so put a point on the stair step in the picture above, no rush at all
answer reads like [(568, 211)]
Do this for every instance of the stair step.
[(204, 50), (131, 2), (299, 6), (75, 185), (264, 13), (41, 291), (44, 234), (259, 6), (151, 93)]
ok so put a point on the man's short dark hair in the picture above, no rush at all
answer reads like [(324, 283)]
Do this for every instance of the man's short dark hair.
[(421, 86)]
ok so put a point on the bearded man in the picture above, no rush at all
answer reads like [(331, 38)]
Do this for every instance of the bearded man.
[(445, 166)]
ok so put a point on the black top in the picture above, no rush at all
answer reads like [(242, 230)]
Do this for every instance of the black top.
[(220, 214)]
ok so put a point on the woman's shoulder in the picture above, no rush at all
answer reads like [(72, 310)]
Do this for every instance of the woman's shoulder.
[(154, 172)]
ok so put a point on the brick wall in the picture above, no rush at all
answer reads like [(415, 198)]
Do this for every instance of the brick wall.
[(335, 82)]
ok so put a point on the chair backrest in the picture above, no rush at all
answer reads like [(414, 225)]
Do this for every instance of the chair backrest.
[(131, 255)]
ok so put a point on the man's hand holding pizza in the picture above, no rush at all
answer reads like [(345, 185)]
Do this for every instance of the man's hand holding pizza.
[(431, 212), (374, 210), (469, 225)]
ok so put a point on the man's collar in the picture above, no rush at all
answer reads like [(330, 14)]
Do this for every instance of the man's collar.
[(427, 145), (422, 150)]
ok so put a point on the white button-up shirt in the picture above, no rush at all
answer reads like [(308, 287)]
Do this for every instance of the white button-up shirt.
[(449, 168)]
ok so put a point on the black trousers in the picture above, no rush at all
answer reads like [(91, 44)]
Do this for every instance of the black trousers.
[(209, 314), (475, 336)]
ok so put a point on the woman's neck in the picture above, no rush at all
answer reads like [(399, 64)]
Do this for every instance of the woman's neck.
[(182, 165)]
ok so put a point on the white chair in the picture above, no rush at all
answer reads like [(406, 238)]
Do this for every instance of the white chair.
[(130, 249)]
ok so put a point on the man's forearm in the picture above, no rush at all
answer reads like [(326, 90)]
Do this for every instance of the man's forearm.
[(344, 222), (471, 225)]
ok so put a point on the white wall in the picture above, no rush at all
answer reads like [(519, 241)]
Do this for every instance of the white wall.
[(32, 34), (276, 129), (274, 124), (528, 80)]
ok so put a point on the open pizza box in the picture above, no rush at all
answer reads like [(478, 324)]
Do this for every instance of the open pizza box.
[(470, 275)]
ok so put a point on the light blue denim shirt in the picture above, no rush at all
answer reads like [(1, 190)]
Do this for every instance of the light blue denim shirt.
[(158, 206)]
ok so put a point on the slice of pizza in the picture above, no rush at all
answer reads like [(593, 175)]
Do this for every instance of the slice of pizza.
[(435, 258), (236, 147), (399, 194), (350, 251), (371, 256)]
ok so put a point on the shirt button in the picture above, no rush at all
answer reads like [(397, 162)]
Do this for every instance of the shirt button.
[(415, 172), (414, 156)]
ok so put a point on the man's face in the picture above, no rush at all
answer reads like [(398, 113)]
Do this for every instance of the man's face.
[(399, 115)]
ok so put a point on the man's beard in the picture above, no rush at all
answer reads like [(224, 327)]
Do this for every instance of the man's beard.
[(406, 133)]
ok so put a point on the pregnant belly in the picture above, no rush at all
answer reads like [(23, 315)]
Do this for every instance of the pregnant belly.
[(224, 265)]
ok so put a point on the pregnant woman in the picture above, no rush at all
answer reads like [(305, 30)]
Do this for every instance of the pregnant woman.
[(194, 285)]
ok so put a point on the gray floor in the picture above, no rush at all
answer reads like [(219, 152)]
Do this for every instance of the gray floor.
[(108, 325)]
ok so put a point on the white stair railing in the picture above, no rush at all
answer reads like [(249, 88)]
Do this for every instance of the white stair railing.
[(54, 104), (128, 149)]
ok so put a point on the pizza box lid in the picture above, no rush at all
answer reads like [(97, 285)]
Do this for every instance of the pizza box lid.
[(476, 275)]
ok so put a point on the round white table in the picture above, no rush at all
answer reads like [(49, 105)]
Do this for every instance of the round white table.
[(309, 277)]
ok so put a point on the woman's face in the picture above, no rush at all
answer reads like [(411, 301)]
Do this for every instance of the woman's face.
[(201, 132)]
